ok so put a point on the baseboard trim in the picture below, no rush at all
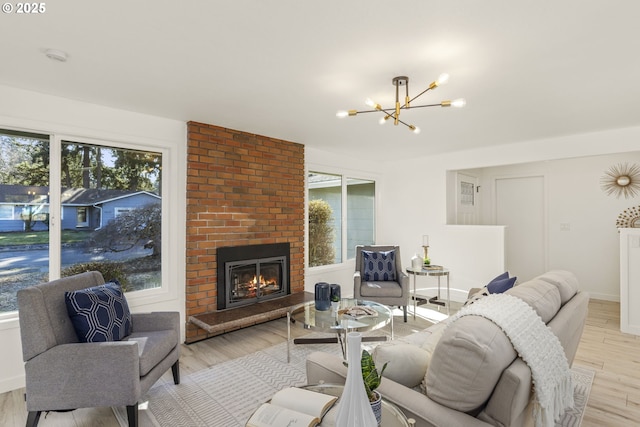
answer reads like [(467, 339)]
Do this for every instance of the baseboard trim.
[(13, 383)]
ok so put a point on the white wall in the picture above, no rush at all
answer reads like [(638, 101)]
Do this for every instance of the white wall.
[(415, 204), (581, 234), (30, 111)]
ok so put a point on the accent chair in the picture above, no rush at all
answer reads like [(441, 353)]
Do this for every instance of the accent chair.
[(63, 373), (379, 276)]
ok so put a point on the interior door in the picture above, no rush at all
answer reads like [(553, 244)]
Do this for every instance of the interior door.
[(521, 207), (466, 199)]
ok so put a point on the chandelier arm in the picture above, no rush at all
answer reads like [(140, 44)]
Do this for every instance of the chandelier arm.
[(426, 105), (383, 110), (415, 97), (407, 125)]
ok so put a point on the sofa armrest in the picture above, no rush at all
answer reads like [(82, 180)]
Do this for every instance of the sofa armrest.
[(79, 375), (511, 396), (155, 321)]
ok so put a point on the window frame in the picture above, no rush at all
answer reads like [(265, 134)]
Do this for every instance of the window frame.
[(345, 175), (56, 140)]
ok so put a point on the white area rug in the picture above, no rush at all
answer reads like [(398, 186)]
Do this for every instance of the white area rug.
[(227, 394)]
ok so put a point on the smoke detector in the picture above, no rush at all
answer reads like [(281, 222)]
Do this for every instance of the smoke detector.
[(56, 55)]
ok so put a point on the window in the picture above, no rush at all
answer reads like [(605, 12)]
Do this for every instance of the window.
[(360, 214), (333, 231), (121, 211), (6, 211), (109, 200), (24, 231), (81, 215), (119, 190)]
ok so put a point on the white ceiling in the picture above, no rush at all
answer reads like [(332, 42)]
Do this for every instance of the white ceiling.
[(282, 68)]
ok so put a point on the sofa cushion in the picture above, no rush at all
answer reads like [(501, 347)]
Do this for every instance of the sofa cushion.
[(153, 346), (407, 363), (565, 281), (542, 296), (379, 266), (99, 313), (467, 363), (380, 289)]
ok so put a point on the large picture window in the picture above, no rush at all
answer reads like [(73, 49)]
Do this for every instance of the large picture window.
[(335, 231), (109, 204)]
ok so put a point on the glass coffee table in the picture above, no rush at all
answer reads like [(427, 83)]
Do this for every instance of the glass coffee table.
[(392, 416), (306, 316)]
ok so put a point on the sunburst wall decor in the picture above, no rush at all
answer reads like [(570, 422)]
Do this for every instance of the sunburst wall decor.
[(621, 179), (629, 218)]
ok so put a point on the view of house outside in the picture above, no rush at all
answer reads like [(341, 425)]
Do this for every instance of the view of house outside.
[(110, 213)]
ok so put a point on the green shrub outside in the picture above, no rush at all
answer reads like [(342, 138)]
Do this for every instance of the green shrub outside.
[(321, 236), (110, 271)]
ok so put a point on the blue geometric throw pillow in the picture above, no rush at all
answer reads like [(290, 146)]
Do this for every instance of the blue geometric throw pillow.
[(379, 266), (100, 313)]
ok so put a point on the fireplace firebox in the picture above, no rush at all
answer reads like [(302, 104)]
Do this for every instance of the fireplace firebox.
[(251, 274)]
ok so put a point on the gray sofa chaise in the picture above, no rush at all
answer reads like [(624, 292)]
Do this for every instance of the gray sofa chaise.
[(471, 374)]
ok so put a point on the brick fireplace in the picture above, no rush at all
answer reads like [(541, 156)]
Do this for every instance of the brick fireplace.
[(242, 189)]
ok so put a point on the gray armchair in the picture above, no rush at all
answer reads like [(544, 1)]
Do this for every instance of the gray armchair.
[(64, 374), (387, 292)]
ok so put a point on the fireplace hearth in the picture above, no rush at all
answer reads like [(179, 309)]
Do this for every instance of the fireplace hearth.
[(252, 273)]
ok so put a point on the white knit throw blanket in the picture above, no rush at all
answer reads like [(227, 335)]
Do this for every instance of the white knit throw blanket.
[(537, 345)]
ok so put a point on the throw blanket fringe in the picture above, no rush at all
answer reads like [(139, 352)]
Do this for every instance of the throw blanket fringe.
[(537, 345)]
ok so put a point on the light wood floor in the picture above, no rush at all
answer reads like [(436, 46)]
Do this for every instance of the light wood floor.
[(614, 399), (615, 395)]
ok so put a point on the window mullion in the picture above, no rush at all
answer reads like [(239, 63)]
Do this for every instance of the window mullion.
[(55, 209), (343, 219)]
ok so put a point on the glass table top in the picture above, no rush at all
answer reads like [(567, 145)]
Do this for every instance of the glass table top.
[(306, 316)]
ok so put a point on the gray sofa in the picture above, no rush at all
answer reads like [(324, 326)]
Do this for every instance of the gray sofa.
[(64, 374), (467, 373)]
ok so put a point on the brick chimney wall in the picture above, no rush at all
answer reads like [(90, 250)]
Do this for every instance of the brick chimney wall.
[(242, 189)]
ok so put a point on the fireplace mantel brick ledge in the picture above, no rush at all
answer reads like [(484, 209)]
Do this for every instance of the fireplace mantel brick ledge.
[(220, 322), (242, 189)]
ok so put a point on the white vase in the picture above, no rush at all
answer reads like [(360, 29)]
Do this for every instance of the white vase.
[(416, 262), (354, 409)]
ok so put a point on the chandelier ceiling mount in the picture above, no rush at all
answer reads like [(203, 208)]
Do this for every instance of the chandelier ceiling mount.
[(394, 112)]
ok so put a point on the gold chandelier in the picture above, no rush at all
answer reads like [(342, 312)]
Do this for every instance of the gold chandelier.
[(394, 113)]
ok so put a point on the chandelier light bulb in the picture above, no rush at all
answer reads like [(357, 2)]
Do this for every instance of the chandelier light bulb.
[(343, 114), (459, 103), (414, 129), (383, 119), (442, 79), (372, 104)]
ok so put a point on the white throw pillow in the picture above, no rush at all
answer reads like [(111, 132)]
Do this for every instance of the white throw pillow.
[(430, 345), (407, 363)]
